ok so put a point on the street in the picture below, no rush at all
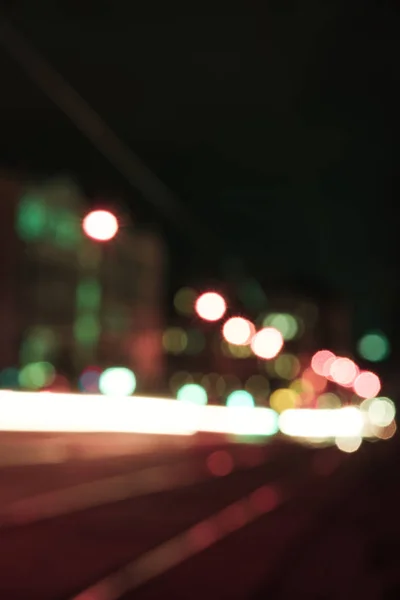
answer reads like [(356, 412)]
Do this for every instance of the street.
[(215, 519)]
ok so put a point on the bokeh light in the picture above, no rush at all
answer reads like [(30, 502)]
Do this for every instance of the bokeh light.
[(283, 322), (283, 399), (192, 393), (319, 360), (87, 328), (349, 444), (329, 400), (235, 351), (220, 463), (89, 380), (385, 433), (374, 346), (286, 366), (267, 343), (381, 412), (36, 375), (238, 331), (66, 231), (100, 225), (88, 294), (117, 381), (184, 301), (240, 398), (367, 385), (59, 384), (32, 218), (38, 345), (174, 340), (343, 371), (317, 382), (304, 391), (9, 378), (210, 306)]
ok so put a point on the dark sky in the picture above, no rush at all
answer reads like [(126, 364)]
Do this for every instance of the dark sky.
[(274, 122)]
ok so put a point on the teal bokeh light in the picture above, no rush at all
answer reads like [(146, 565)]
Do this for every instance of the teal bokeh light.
[(192, 393)]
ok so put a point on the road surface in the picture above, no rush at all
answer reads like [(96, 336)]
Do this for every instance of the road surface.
[(214, 519)]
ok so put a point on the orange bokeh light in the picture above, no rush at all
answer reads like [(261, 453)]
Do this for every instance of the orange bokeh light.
[(367, 385), (100, 225), (343, 371), (267, 343), (238, 331), (318, 382), (319, 360), (210, 306)]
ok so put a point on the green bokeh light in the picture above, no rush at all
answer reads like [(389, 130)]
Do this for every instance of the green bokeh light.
[(32, 221), (36, 375), (88, 294), (117, 381), (192, 393), (87, 329), (9, 378), (38, 345), (374, 346), (286, 366), (66, 229), (240, 398), (283, 322)]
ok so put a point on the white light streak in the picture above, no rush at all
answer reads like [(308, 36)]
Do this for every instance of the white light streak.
[(322, 423)]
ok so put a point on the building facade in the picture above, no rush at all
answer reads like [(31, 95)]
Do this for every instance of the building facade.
[(70, 301)]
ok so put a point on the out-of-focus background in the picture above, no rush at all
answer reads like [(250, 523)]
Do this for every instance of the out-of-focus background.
[(199, 300)]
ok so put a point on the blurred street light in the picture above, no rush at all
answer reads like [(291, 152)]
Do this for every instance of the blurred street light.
[(210, 306), (100, 225)]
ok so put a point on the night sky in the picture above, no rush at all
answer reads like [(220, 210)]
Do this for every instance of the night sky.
[(274, 123)]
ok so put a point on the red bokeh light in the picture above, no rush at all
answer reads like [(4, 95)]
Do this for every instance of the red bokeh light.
[(59, 384), (327, 367), (220, 463), (100, 225), (343, 371), (238, 331), (210, 306), (264, 499), (319, 360), (367, 385), (267, 343)]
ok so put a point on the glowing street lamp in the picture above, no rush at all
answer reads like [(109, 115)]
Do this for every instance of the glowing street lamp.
[(100, 225), (267, 343), (238, 331), (210, 306)]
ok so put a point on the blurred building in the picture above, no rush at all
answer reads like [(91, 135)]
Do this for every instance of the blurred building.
[(68, 300)]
